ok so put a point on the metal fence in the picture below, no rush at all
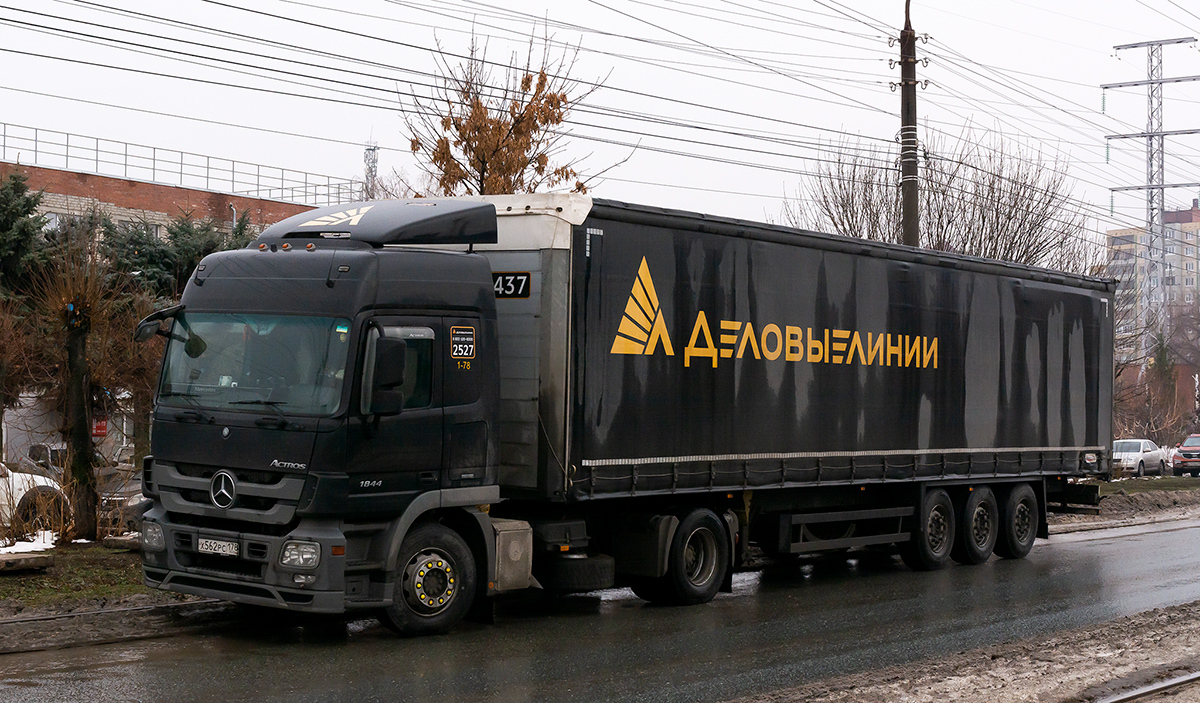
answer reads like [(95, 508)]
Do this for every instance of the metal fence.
[(40, 147)]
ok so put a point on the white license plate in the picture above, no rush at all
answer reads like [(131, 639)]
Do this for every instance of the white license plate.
[(216, 546)]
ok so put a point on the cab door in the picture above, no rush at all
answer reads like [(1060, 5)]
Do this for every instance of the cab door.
[(400, 453)]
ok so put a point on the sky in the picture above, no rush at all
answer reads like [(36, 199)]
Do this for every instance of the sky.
[(705, 105)]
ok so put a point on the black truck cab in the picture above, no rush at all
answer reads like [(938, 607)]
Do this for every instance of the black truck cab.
[(316, 387)]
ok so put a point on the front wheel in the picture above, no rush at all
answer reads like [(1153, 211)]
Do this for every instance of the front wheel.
[(434, 584), (1162, 469), (1141, 469), (933, 536)]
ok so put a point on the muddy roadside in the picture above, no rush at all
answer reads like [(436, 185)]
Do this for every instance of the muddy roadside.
[(1077, 666), (39, 611)]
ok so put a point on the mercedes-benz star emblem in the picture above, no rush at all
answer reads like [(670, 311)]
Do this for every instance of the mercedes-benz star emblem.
[(223, 490), (224, 433)]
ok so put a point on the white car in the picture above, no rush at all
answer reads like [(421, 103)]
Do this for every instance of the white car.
[(1139, 457), (29, 498)]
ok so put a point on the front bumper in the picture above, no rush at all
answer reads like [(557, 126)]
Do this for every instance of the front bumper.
[(255, 576)]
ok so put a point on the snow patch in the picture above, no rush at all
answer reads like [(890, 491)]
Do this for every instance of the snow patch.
[(41, 542)]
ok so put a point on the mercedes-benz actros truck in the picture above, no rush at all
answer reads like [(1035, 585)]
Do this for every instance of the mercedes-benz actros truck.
[(410, 407)]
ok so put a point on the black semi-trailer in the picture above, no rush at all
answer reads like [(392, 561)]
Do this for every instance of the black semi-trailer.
[(412, 406)]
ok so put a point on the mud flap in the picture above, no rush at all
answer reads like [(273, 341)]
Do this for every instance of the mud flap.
[(732, 532)]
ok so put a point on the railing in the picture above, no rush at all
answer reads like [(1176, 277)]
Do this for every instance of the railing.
[(40, 147)]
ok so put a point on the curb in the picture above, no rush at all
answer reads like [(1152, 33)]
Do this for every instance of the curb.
[(44, 632), (1111, 524)]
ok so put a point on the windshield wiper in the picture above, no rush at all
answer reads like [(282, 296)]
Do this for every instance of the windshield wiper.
[(272, 404), (198, 413)]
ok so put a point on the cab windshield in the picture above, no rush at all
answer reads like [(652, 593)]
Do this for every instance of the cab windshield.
[(1193, 441), (236, 362)]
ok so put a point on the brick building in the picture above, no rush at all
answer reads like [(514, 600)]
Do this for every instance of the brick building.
[(72, 193)]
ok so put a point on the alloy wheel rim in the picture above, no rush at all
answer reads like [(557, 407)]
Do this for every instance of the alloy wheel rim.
[(430, 582), (700, 557), (937, 529), (981, 525), (1023, 522)]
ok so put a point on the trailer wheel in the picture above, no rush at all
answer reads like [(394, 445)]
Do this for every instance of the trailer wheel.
[(1018, 523), (933, 534), (435, 583), (978, 531), (696, 564)]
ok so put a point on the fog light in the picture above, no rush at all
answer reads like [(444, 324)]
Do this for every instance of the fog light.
[(152, 537), (304, 579), (302, 555)]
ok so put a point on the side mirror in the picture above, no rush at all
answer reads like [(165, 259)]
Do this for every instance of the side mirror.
[(149, 326), (146, 329), (1177, 445), (390, 357)]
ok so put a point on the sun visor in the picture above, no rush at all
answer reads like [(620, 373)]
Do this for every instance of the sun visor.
[(380, 222)]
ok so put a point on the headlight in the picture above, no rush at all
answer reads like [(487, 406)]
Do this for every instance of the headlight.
[(152, 536), (300, 555)]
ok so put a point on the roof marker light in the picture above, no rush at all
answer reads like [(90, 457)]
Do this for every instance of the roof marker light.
[(262, 247), (310, 246), (286, 246)]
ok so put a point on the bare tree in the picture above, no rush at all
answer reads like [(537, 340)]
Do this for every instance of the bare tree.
[(987, 198), (1149, 404), (477, 136), (72, 296)]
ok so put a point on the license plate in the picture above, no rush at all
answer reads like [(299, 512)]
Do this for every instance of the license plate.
[(216, 546)]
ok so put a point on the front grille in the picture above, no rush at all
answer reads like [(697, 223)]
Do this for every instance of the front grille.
[(219, 564), (226, 525), (262, 478), (248, 502)]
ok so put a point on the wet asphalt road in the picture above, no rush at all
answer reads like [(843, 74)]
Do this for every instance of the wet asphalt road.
[(778, 629)]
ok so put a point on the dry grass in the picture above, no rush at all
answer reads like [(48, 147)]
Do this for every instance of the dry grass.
[(84, 576)]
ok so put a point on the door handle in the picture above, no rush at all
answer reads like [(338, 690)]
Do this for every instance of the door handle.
[(427, 478)]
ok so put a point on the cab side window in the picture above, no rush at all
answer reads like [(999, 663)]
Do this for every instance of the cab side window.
[(418, 365)]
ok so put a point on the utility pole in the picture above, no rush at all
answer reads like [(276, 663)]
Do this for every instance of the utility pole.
[(370, 171), (909, 214), (1152, 297)]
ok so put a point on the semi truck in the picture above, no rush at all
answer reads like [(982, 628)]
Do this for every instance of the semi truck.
[(408, 408)]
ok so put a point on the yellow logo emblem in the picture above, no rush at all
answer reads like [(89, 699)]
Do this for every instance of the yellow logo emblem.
[(642, 326), (346, 217)]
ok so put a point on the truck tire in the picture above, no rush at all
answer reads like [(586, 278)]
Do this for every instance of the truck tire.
[(42, 508), (434, 583), (1018, 523), (978, 527), (696, 564), (933, 533), (576, 574)]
